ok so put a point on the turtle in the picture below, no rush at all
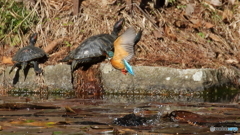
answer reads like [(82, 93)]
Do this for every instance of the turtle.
[(95, 48), (29, 55)]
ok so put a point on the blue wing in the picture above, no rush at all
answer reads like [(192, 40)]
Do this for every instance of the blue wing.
[(128, 67)]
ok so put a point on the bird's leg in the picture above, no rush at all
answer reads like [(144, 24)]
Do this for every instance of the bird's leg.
[(124, 71), (36, 67)]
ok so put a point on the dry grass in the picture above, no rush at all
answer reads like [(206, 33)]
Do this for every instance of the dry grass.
[(208, 38)]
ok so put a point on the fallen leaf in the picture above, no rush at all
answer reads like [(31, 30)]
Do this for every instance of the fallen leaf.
[(214, 2), (33, 123), (232, 61), (192, 118), (231, 2), (227, 15), (69, 109), (179, 23), (7, 60), (196, 22), (189, 9), (208, 25), (158, 34), (168, 33), (128, 5), (214, 37)]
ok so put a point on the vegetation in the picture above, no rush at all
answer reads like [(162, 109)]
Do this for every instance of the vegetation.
[(16, 20)]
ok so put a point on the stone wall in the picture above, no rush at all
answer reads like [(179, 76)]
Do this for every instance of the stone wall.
[(147, 79)]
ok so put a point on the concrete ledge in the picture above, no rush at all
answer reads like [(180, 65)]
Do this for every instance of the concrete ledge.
[(148, 79), (54, 77), (58, 77)]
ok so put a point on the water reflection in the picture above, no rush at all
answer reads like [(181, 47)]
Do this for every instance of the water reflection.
[(89, 114), (218, 95), (221, 95)]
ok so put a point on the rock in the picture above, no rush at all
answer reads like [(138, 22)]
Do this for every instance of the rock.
[(157, 80), (19, 79), (58, 77)]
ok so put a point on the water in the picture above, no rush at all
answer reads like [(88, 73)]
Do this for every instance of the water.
[(56, 114)]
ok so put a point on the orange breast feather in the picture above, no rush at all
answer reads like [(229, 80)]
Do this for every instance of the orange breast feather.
[(119, 54), (123, 48)]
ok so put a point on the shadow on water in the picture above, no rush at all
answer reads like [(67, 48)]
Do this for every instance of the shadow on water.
[(23, 111)]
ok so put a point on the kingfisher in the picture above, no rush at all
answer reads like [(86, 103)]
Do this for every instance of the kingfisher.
[(124, 50)]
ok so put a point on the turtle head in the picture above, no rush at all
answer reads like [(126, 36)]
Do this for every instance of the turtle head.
[(33, 39), (117, 27)]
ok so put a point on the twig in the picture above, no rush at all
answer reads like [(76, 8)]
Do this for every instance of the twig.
[(146, 15)]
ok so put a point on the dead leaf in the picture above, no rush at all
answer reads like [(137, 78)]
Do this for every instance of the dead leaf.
[(214, 2), (196, 22), (69, 109), (179, 23), (189, 9), (208, 25), (231, 2), (227, 15), (214, 37), (126, 131), (33, 123), (7, 60), (158, 34), (128, 5), (232, 61), (169, 33), (104, 3), (192, 118)]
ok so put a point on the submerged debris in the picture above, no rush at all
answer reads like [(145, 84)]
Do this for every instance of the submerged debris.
[(130, 120)]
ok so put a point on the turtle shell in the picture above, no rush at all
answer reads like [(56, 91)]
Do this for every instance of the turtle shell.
[(93, 47), (28, 53)]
